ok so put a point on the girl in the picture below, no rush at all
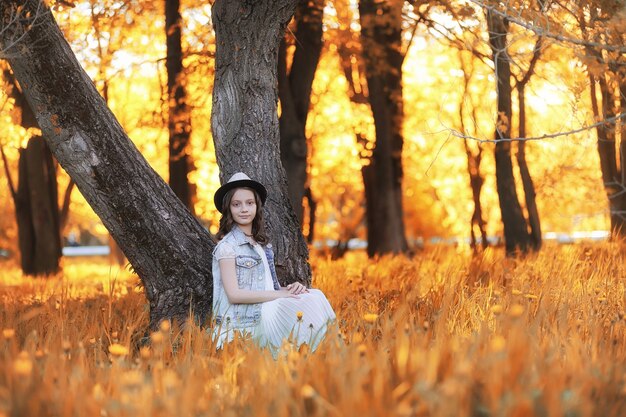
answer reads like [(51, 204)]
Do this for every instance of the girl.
[(246, 294)]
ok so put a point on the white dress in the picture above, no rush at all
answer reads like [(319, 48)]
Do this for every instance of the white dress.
[(279, 318), (296, 320)]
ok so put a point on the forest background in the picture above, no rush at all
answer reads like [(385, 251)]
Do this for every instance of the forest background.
[(417, 112), (448, 89)]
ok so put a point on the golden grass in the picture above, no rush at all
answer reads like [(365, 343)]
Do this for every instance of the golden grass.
[(441, 334)]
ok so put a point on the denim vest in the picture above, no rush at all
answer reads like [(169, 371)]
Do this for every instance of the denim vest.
[(250, 276)]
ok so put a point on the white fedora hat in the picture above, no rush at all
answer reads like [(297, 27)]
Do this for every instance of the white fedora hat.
[(238, 180)]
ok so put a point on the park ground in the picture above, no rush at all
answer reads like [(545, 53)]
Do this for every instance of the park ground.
[(443, 333)]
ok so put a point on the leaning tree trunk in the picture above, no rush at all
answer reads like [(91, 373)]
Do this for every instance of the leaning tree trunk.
[(179, 117), (294, 89), (167, 247), (244, 118), (515, 228), (37, 210), (381, 34)]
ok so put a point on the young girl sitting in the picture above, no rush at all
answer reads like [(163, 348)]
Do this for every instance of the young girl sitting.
[(247, 297)]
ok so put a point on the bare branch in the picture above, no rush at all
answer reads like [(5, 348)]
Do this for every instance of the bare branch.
[(611, 120), (533, 62)]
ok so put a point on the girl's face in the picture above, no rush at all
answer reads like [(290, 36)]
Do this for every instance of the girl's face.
[(243, 207)]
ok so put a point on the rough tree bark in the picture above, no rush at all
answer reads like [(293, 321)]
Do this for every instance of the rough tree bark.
[(294, 89), (381, 35), (244, 118), (167, 247), (179, 117), (515, 228)]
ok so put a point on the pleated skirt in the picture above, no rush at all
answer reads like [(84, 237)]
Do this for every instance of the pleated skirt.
[(297, 321)]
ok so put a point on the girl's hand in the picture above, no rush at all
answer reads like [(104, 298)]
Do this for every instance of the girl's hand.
[(284, 293), (297, 288)]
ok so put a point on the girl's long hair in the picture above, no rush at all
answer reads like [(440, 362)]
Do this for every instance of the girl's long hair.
[(227, 222)]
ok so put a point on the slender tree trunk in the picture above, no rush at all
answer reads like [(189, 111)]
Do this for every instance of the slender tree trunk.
[(308, 194), (179, 117), (607, 151), (515, 229), (613, 177), (244, 118), (620, 213), (36, 207), (38, 211), (65, 207), (167, 247), (381, 32), (295, 96), (473, 163), (527, 181), (476, 184), (25, 230)]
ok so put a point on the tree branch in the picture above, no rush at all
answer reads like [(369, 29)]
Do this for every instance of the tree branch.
[(541, 31), (611, 120)]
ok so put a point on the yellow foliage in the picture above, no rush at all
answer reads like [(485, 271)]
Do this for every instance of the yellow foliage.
[(121, 45)]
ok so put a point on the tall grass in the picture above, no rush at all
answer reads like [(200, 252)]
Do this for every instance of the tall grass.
[(441, 334)]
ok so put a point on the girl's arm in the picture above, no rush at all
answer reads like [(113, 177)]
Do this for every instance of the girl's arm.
[(237, 295)]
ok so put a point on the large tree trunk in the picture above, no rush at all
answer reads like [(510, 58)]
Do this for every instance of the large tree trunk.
[(515, 228), (37, 210), (244, 118), (381, 34), (294, 88), (179, 117), (167, 247)]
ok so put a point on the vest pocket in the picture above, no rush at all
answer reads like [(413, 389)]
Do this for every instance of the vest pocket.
[(248, 268)]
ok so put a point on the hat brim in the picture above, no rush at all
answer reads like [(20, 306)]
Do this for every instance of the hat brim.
[(218, 199)]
